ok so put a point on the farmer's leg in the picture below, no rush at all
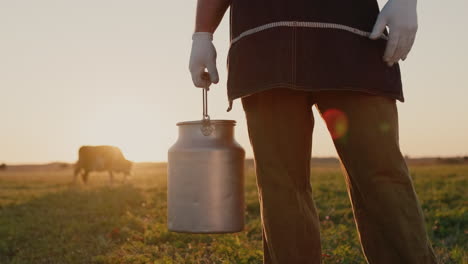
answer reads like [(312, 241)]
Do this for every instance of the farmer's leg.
[(387, 211), (280, 125)]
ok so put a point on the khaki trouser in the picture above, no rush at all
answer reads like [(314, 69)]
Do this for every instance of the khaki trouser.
[(364, 128)]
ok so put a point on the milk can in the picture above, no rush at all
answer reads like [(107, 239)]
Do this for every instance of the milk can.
[(206, 177)]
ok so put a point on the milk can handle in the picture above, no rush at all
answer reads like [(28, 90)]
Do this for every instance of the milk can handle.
[(206, 128), (205, 105), (205, 76)]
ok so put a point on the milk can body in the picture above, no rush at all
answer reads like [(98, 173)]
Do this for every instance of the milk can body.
[(206, 179)]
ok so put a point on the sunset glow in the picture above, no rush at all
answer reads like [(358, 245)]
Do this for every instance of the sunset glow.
[(78, 73)]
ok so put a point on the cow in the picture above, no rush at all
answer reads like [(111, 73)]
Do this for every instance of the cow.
[(101, 158)]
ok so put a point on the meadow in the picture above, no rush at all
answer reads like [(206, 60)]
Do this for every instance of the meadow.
[(46, 219)]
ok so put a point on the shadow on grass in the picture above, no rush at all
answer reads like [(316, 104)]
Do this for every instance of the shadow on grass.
[(70, 226)]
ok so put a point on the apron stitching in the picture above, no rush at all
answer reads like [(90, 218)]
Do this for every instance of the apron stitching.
[(306, 25)]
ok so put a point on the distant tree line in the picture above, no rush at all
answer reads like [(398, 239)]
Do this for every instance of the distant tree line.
[(454, 160)]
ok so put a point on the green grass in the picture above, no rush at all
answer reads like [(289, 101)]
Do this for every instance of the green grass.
[(45, 219)]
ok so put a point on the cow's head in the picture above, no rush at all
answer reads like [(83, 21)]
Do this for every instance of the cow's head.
[(127, 167)]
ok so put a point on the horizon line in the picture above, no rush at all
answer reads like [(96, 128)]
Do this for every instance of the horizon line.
[(246, 158)]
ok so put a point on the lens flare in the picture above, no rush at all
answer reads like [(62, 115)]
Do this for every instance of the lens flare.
[(384, 127), (337, 122)]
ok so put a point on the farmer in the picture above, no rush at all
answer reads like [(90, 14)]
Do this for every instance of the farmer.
[(286, 56)]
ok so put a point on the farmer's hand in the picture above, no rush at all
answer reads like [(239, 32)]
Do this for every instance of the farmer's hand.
[(203, 56), (401, 17)]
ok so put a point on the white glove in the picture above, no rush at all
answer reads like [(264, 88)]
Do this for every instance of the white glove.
[(203, 55), (401, 17)]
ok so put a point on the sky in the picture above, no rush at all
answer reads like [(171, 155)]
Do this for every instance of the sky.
[(94, 72)]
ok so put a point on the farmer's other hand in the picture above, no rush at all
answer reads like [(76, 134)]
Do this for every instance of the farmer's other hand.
[(401, 18), (203, 55)]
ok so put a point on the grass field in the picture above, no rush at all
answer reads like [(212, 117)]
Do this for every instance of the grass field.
[(45, 219)]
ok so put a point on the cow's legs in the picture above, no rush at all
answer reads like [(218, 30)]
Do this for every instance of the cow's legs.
[(126, 175), (76, 173), (111, 176), (84, 176)]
